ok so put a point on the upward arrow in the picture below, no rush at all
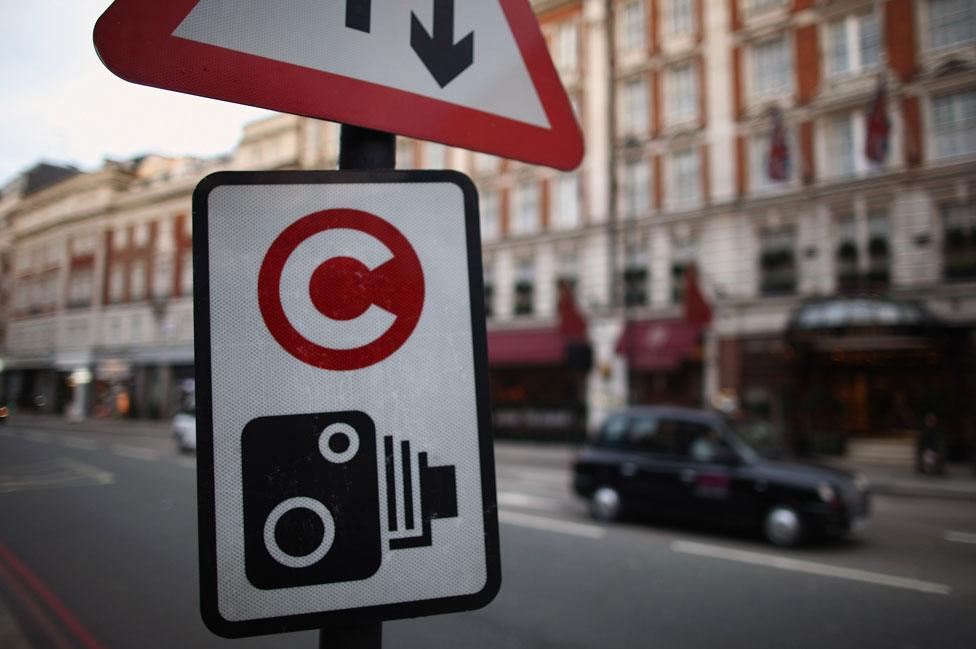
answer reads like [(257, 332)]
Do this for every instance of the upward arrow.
[(444, 59)]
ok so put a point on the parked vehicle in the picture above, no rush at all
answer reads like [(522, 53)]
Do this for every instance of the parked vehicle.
[(4, 414), (185, 431), (691, 464)]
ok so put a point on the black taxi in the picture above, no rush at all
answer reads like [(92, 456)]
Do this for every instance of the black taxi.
[(685, 463)]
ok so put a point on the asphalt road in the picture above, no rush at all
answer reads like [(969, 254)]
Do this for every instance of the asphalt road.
[(98, 550)]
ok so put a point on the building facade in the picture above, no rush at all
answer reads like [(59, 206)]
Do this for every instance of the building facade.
[(682, 103)]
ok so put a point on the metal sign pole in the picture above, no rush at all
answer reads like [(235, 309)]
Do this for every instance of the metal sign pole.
[(361, 148)]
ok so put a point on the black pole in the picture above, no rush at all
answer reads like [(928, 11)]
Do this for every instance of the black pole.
[(364, 148), (361, 148), (365, 636)]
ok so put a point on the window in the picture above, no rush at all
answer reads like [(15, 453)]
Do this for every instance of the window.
[(848, 273), (484, 163), (759, 152), (527, 207), (954, 118), (405, 154), (636, 188), (683, 95), (490, 215), (141, 234), (568, 271), (951, 22), (567, 204), (566, 47), (631, 28), (685, 254), (614, 431), (840, 156), (162, 276), (635, 276), (524, 287), (879, 257), (436, 155), (778, 261), (647, 434), (186, 275), (959, 241), (489, 275), (686, 177), (634, 107), (137, 282), (116, 283), (853, 44), (682, 16), (772, 67), (80, 288), (760, 5)]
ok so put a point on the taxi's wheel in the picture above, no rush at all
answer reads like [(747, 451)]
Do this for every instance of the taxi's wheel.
[(783, 526), (605, 504)]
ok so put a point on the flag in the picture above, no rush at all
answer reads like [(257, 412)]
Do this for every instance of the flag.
[(778, 163), (697, 310), (572, 324), (878, 126)]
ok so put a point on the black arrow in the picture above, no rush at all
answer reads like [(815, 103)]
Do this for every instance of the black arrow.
[(443, 58), (358, 14)]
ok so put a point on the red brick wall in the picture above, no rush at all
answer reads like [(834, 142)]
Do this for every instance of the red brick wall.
[(737, 89), (807, 61), (807, 155), (899, 34), (913, 131), (741, 166)]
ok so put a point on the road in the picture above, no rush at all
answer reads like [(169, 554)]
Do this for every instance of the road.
[(98, 550)]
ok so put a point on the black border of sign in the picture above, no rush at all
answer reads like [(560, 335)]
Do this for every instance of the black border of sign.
[(204, 396)]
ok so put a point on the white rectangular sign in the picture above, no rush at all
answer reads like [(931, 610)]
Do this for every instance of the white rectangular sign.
[(345, 460)]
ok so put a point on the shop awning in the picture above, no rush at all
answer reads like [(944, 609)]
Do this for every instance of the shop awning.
[(657, 345), (514, 347)]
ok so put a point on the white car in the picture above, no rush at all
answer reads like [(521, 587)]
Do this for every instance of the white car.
[(185, 431)]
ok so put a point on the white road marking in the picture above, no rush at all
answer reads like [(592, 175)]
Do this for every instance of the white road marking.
[(135, 452), (551, 525), (99, 476), (82, 443), (514, 499), (187, 462), (809, 567), (37, 436), (960, 537)]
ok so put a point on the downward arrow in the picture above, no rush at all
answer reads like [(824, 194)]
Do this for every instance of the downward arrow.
[(444, 59)]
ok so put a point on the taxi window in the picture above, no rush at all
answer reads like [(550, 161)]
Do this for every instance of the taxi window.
[(643, 431), (696, 441), (659, 437), (614, 431)]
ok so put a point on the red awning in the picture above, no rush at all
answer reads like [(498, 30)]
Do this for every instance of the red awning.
[(525, 347), (657, 345)]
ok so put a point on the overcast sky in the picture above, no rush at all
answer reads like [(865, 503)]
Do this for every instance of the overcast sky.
[(60, 104)]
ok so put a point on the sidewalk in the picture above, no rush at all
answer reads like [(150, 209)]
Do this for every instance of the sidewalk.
[(959, 483)]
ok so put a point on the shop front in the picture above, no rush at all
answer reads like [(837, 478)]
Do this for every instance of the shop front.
[(537, 384), (664, 361), (874, 368)]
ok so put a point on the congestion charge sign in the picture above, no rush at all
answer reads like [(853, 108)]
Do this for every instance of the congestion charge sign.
[(345, 464)]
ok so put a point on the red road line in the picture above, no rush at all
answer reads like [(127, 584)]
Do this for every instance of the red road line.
[(53, 603), (43, 621)]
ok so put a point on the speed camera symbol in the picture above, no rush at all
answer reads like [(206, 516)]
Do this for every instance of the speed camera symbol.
[(342, 288)]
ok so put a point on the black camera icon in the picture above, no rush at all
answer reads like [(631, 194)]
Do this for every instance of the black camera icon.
[(312, 502)]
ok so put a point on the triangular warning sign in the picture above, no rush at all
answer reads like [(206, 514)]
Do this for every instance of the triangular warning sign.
[(468, 73)]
